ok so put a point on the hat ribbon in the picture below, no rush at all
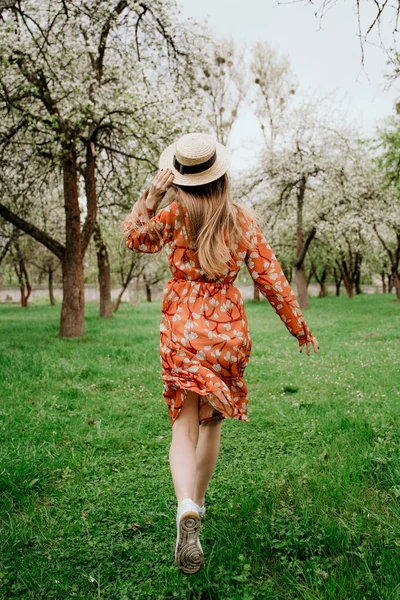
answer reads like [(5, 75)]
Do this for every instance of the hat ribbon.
[(184, 169)]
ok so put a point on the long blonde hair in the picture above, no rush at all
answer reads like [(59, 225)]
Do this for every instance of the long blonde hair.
[(213, 218), (214, 223)]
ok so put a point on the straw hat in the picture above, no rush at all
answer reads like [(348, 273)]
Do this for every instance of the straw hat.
[(195, 159)]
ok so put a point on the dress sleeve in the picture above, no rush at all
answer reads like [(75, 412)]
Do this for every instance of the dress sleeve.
[(268, 276), (150, 235)]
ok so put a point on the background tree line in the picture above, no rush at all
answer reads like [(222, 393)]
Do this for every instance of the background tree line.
[(90, 94)]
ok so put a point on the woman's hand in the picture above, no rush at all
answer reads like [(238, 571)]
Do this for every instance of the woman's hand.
[(160, 184), (308, 347)]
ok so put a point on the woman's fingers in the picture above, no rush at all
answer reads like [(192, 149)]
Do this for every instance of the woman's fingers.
[(169, 176), (166, 174), (160, 176), (308, 347), (163, 179)]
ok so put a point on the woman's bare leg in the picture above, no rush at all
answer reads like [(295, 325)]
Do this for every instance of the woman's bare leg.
[(182, 453), (206, 457)]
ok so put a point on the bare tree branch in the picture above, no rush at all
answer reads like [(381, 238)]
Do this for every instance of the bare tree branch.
[(41, 236)]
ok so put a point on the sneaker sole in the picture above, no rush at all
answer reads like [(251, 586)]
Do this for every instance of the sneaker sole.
[(189, 557)]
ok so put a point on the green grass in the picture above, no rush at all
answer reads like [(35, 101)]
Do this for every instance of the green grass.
[(305, 499)]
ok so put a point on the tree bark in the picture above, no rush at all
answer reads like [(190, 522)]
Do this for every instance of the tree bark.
[(51, 288), (347, 280), (302, 247), (91, 196), (338, 280), (357, 273), (126, 281), (390, 283), (383, 279), (256, 293), (104, 274), (301, 284), (72, 310), (148, 292), (118, 300), (321, 281), (23, 279)]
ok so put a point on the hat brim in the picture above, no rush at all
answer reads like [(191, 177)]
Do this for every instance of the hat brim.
[(216, 171)]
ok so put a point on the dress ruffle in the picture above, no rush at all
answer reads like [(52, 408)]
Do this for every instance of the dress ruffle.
[(220, 398)]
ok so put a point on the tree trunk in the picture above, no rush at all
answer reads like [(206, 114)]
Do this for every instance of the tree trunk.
[(302, 247), (357, 273), (348, 285), (72, 322), (104, 275), (357, 284), (390, 283), (51, 288), (347, 279), (256, 293), (301, 284), (396, 277), (27, 283), (125, 282), (148, 292), (23, 277), (321, 281), (118, 300), (338, 280), (22, 284), (383, 279), (311, 273)]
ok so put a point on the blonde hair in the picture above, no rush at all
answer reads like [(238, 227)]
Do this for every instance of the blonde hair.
[(213, 219)]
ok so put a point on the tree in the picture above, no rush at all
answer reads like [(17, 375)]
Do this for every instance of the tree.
[(371, 16), (65, 98), (299, 173), (127, 274), (274, 85), (18, 257), (47, 266), (103, 264), (365, 210), (222, 79), (154, 273)]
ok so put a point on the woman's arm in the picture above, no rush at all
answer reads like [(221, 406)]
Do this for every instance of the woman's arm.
[(143, 229), (148, 233), (268, 276)]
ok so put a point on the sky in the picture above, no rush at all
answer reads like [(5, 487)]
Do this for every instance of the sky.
[(324, 54)]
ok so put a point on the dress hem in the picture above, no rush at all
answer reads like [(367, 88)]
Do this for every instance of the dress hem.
[(191, 386)]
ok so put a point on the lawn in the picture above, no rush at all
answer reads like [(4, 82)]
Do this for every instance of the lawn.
[(305, 499)]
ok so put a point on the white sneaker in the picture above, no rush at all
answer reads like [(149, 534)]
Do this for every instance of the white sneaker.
[(189, 555), (201, 510)]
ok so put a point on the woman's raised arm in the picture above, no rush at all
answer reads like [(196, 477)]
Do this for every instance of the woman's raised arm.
[(148, 233)]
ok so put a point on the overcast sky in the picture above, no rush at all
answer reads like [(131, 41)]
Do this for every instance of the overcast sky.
[(324, 54)]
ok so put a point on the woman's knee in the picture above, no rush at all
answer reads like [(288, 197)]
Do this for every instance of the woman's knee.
[(187, 422)]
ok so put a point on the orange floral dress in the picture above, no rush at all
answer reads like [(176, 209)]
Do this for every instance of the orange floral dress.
[(205, 342)]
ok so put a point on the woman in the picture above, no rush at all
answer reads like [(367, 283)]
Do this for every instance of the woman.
[(204, 337)]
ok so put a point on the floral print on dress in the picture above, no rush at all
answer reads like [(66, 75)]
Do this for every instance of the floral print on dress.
[(205, 342)]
